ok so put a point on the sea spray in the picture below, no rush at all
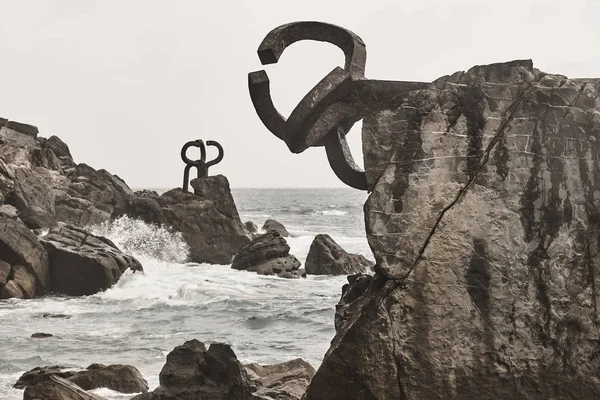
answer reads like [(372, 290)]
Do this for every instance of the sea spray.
[(144, 240)]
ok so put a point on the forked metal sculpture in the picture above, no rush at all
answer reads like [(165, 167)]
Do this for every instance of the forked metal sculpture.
[(327, 113), (201, 165)]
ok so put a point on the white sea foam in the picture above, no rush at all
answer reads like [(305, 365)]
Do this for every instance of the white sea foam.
[(335, 213)]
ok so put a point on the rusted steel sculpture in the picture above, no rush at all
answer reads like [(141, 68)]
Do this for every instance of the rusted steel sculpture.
[(327, 113), (201, 164)]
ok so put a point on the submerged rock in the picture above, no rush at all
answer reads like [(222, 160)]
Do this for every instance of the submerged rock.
[(483, 218), (326, 257), (268, 254), (272, 225), (82, 263)]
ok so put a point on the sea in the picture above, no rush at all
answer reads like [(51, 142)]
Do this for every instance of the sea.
[(145, 315)]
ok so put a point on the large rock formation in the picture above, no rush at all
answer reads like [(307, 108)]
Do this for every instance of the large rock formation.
[(24, 267), (193, 372), (484, 221), (208, 218), (326, 257), (82, 263), (267, 254)]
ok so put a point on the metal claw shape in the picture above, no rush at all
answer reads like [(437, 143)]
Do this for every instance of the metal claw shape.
[(327, 112), (200, 164)]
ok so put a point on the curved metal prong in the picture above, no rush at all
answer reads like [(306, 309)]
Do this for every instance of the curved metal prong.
[(283, 36), (260, 93), (219, 157), (341, 161), (194, 143)]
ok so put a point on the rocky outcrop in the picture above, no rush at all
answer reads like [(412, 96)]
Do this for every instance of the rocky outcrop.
[(282, 381), (326, 257), (250, 227), (192, 372), (483, 219), (268, 254), (208, 219), (82, 263), (351, 292), (24, 267), (272, 225), (120, 378), (57, 388)]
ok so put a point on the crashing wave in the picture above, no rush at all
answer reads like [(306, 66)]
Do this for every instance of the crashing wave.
[(143, 240)]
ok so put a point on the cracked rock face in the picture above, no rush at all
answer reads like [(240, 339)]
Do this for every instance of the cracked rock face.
[(484, 222)]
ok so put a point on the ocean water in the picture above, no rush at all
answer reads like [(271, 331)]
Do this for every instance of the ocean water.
[(144, 316)]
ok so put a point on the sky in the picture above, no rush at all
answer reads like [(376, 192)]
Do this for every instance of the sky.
[(126, 83)]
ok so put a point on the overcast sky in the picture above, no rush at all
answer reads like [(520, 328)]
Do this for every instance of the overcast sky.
[(126, 83)]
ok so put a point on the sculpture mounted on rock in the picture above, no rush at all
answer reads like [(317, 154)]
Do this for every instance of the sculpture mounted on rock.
[(201, 164), (484, 219)]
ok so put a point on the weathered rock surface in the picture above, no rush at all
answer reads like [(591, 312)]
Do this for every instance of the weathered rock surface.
[(208, 219), (82, 263), (272, 225), (351, 292), (483, 218), (282, 381), (24, 267), (250, 227), (326, 257), (120, 378), (268, 254), (57, 388), (192, 372)]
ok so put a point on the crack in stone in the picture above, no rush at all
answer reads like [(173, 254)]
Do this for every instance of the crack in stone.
[(485, 159), (398, 377)]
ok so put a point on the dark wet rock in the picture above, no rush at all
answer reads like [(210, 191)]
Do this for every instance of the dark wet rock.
[(483, 218), (268, 254), (250, 227), (272, 225), (54, 387), (282, 381), (326, 257), (208, 221), (37, 218), (41, 335), (120, 378), (82, 263), (352, 291), (50, 315), (192, 372), (5, 271), (29, 273)]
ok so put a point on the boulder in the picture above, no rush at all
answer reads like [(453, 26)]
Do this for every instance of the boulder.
[(41, 335), (6, 210), (250, 227), (483, 218), (268, 254), (82, 263), (29, 272), (120, 378), (272, 225), (57, 388), (37, 218), (192, 372), (326, 257), (282, 381)]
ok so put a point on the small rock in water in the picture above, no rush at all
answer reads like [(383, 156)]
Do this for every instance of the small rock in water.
[(41, 335), (272, 225), (50, 315)]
